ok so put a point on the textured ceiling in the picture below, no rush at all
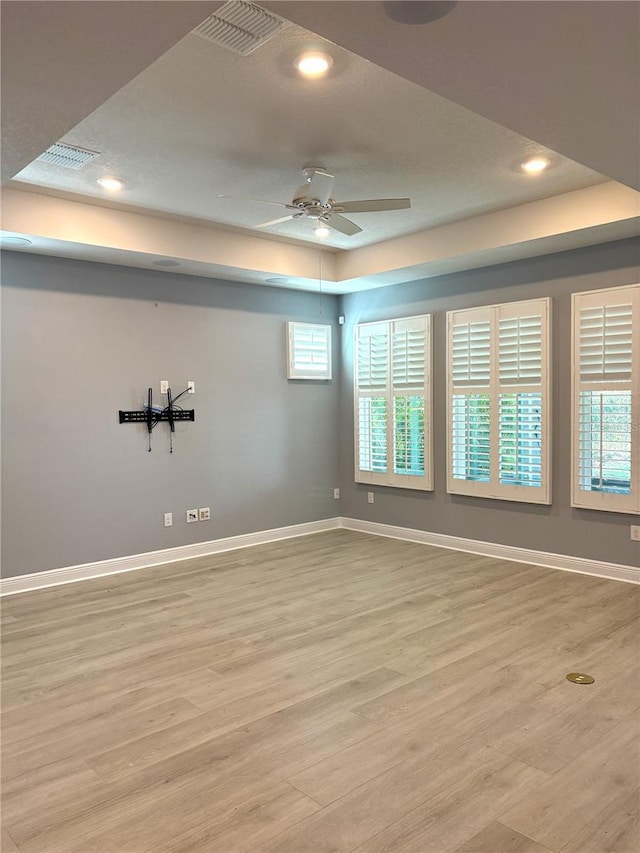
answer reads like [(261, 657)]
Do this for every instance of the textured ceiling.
[(443, 113), (203, 121), (61, 60), (563, 72)]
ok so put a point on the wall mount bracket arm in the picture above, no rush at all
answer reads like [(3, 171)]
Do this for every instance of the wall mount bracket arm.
[(154, 415)]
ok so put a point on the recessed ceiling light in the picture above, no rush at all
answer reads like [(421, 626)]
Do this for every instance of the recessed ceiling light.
[(321, 231), (10, 240), (313, 64), (112, 185), (535, 165)]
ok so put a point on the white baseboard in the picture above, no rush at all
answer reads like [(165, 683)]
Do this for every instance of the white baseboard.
[(598, 568), (71, 574)]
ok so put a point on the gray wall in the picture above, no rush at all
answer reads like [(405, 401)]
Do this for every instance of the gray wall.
[(81, 341), (557, 528)]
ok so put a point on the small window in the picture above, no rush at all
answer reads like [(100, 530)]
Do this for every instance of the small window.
[(308, 351), (606, 377)]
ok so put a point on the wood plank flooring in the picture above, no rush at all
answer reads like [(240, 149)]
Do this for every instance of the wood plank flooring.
[(327, 694)]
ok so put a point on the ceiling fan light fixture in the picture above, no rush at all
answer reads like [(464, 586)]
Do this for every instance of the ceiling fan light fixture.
[(321, 231), (313, 64), (535, 165)]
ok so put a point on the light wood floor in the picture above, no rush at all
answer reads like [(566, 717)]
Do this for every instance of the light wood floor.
[(336, 692)]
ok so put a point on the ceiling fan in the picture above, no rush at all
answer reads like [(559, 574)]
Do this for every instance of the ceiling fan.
[(313, 201)]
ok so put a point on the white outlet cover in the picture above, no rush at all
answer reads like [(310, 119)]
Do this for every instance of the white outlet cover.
[(191, 385), (336, 494), (192, 515), (168, 519), (204, 513), (370, 497), (635, 532), (164, 386)]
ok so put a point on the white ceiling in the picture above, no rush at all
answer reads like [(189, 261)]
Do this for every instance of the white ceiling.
[(200, 121)]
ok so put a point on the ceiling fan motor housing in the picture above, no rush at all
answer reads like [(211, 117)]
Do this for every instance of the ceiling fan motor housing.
[(313, 207)]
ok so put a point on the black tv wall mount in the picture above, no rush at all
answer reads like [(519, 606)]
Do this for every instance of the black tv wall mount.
[(153, 415)]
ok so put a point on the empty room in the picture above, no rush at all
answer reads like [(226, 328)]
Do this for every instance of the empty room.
[(320, 427)]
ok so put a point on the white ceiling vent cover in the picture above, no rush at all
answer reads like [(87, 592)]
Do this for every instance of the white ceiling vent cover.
[(69, 156), (240, 27)]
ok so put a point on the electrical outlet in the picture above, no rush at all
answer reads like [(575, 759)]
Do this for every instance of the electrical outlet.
[(191, 387), (635, 532), (168, 519), (164, 386), (336, 494), (370, 497), (192, 515), (204, 513)]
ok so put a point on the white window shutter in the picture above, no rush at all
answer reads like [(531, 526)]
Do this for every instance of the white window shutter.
[(606, 379), (308, 351), (471, 352), (499, 401), (524, 401), (393, 403), (605, 348)]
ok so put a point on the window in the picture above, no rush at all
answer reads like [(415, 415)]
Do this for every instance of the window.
[(606, 415), (308, 351), (393, 403), (499, 402)]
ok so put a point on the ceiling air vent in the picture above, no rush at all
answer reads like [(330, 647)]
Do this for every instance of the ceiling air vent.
[(69, 156), (240, 27)]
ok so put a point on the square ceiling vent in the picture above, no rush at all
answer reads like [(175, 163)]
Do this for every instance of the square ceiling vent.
[(240, 27), (69, 156)]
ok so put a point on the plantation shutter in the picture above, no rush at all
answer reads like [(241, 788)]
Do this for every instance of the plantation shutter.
[(372, 382), (606, 377), (470, 376), (409, 396), (498, 401), (522, 402), (308, 351), (392, 411)]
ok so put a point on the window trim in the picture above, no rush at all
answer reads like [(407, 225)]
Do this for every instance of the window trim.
[(413, 482), (493, 389), (595, 500)]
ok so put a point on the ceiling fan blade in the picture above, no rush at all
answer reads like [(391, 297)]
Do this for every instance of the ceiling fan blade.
[(369, 205), (345, 226), (277, 221), (320, 187), (258, 201)]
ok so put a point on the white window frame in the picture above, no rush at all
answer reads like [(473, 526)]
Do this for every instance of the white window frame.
[(298, 347), (582, 498), (422, 482), (494, 388)]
